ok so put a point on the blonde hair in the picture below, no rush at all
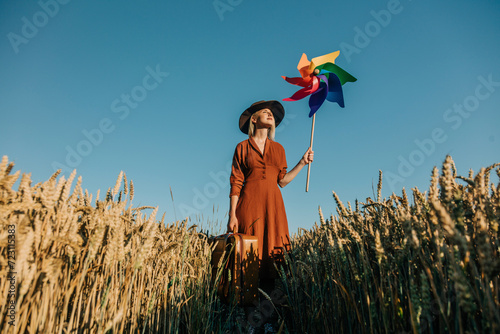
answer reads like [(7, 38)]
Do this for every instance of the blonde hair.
[(270, 132)]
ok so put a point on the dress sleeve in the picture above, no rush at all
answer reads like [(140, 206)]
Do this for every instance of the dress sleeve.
[(282, 164), (237, 176)]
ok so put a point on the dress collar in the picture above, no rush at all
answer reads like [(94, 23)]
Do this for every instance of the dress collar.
[(253, 143)]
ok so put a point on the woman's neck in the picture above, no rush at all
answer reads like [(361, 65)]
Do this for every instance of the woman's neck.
[(260, 134)]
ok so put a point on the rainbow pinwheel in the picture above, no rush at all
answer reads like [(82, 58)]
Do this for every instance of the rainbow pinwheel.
[(321, 79)]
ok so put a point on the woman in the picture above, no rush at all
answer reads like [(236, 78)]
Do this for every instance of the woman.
[(256, 204)]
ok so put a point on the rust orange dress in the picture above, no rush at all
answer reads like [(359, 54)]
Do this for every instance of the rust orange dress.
[(260, 210)]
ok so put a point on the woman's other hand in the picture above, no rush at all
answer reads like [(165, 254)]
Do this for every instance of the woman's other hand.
[(308, 156), (232, 225)]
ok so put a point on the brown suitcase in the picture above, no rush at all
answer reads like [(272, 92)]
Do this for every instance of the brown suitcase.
[(237, 257)]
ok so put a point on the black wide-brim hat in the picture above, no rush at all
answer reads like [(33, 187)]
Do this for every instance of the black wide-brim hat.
[(275, 107)]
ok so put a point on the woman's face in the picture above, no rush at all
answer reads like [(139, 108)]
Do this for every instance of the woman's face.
[(263, 118)]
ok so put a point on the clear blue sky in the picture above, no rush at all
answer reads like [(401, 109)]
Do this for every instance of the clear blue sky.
[(158, 87)]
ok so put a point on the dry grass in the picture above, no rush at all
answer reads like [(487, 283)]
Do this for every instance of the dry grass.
[(98, 266), (87, 265), (393, 267)]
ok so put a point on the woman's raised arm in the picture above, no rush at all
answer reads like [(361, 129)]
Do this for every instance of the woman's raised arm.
[(306, 159)]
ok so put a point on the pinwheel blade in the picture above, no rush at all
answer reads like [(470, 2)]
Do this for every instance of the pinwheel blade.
[(303, 62), (299, 95), (304, 67), (324, 78), (297, 81), (305, 91), (317, 99), (328, 58), (343, 75), (335, 93)]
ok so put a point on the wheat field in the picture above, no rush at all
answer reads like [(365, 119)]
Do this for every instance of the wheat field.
[(85, 265), (74, 263), (392, 266)]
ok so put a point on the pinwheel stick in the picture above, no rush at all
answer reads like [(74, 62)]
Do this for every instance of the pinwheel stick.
[(309, 165)]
